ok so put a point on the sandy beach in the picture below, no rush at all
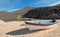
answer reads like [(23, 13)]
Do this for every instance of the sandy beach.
[(14, 29)]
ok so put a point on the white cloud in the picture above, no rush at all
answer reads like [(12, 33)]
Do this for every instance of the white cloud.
[(42, 1), (12, 10), (54, 3), (38, 2), (46, 2)]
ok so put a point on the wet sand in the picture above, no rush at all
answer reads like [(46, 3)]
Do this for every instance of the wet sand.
[(14, 29)]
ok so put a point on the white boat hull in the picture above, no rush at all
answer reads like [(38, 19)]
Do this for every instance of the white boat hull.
[(33, 27)]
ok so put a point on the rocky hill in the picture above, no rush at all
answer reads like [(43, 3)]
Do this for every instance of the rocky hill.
[(43, 12)]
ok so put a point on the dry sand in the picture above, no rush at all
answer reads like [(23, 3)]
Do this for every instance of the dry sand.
[(14, 29)]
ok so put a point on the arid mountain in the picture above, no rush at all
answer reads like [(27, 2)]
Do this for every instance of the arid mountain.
[(43, 12), (29, 12), (4, 14)]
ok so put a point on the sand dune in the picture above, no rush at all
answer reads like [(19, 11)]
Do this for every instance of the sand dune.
[(14, 29)]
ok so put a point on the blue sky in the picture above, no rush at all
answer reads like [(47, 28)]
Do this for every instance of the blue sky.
[(12, 5)]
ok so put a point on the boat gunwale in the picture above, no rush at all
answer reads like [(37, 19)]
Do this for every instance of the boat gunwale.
[(28, 23)]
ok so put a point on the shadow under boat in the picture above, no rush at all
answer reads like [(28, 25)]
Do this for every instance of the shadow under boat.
[(22, 31)]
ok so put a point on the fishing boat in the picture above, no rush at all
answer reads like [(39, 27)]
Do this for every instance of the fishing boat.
[(35, 25)]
